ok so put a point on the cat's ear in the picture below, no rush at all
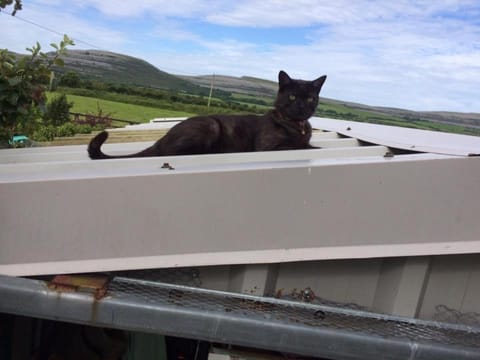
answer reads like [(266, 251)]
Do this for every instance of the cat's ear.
[(283, 78), (318, 83)]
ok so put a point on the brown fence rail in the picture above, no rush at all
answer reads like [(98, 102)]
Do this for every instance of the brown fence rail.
[(93, 120)]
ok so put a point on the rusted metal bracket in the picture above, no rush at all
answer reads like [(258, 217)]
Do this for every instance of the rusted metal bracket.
[(95, 284)]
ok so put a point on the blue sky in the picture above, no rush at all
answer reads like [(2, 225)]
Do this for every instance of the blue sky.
[(420, 55)]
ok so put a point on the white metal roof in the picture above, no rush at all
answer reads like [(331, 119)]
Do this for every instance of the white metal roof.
[(404, 138), (61, 212)]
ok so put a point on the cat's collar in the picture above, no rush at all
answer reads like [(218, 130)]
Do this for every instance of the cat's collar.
[(284, 119), (302, 126)]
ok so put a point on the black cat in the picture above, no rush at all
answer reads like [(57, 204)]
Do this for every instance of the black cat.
[(286, 127)]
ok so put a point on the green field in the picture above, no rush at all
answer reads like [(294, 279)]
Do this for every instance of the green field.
[(142, 109), (261, 102), (119, 110)]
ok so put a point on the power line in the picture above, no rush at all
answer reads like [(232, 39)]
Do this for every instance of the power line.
[(170, 70), (48, 29)]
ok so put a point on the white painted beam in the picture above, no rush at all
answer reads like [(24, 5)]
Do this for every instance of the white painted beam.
[(113, 217)]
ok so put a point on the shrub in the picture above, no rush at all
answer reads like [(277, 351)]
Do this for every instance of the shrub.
[(49, 132), (44, 133), (23, 81), (67, 129), (58, 111), (84, 129), (70, 79)]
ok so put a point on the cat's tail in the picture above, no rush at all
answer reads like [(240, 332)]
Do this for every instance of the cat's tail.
[(95, 144), (95, 152)]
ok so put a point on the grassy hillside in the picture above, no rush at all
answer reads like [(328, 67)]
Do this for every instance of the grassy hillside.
[(250, 88), (118, 68), (242, 85), (109, 67), (119, 110)]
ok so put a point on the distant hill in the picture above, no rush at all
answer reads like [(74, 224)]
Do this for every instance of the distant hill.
[(445, 117), (241, 85), (118, 68), (261, 87)]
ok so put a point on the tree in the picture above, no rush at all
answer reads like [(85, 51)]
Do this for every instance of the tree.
[(58, 111), (17, 5), (70, 79), (23, 81)]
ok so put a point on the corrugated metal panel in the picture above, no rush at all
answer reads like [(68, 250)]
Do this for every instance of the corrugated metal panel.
[(345, 201), (339, 202), (62, 213), (403, 138), (134, 217)]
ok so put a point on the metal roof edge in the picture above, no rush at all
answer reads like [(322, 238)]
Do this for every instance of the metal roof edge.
[(403, 138)]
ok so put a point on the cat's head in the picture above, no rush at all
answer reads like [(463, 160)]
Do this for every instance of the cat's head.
[(297, 99)]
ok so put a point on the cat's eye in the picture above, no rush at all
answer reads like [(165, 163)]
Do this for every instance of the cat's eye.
[(310, 99), (292, 97)]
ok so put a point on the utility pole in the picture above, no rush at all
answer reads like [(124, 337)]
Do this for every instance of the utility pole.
[(211, 90)]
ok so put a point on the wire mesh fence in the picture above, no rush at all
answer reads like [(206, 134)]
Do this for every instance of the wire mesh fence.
[(289, 313)]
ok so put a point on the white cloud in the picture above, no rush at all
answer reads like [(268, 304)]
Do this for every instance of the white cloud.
[(18, 34), (174, 30), (402, 53), (274, 13), (160, 8)]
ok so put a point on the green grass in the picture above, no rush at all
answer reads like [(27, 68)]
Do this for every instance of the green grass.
[(119, 110), (142, 109), (254, 100), (178, 102)]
